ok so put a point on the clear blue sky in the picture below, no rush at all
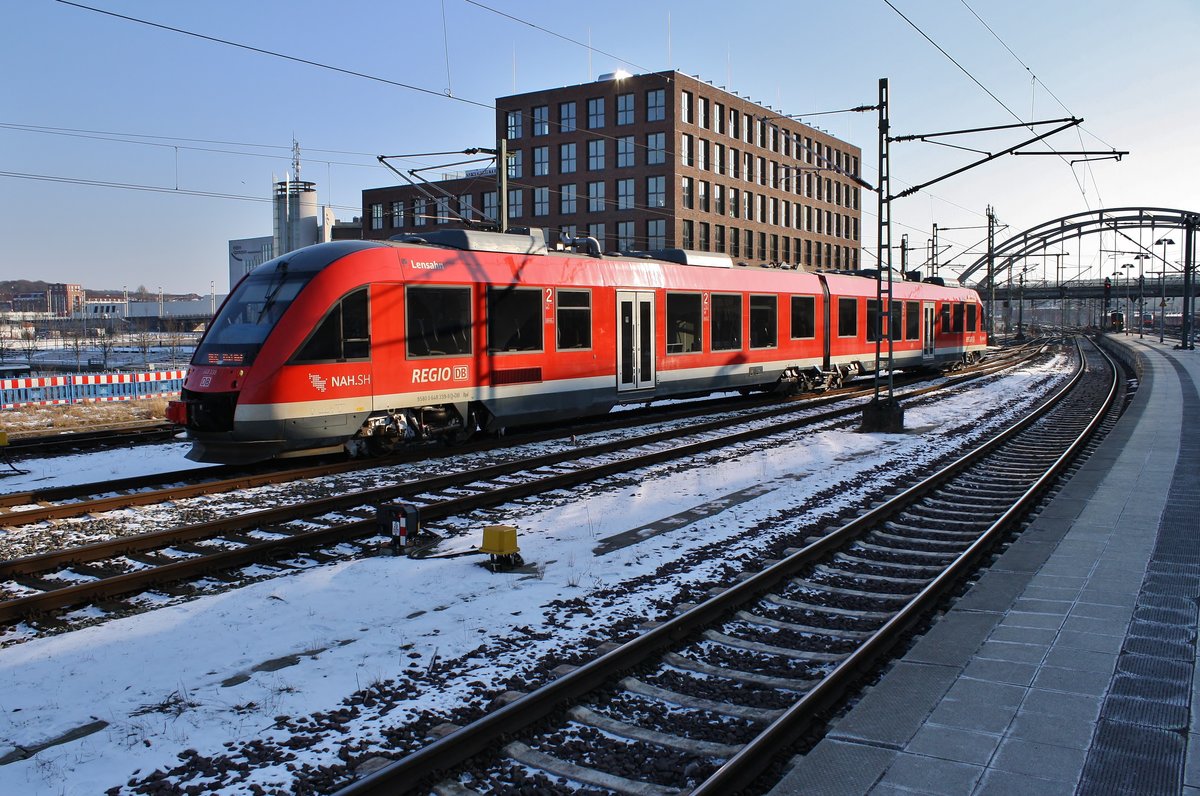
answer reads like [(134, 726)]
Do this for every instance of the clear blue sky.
[(1127, 69)]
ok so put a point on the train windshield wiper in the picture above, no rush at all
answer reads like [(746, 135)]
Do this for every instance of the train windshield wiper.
[(272, 291)]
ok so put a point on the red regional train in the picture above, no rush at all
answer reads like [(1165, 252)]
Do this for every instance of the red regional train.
[(369, 344)]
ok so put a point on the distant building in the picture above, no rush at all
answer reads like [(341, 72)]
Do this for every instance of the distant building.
[(246, 254), (297, 222), (659, 160)]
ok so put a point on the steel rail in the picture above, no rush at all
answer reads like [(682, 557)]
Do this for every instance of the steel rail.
[(456, 748), (740, 770)]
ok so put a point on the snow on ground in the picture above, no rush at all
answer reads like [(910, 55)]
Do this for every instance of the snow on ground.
[(216, 670)]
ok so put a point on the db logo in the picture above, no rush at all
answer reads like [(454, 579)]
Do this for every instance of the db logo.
[(460, 373)]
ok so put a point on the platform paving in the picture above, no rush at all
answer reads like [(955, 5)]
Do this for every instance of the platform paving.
[(1069, 667)]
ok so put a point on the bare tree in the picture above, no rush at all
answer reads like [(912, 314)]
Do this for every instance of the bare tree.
[(29, 346), (76, 343), (106, 342), (144, 340)]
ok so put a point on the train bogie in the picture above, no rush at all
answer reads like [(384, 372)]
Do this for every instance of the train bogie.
[(371, 345)]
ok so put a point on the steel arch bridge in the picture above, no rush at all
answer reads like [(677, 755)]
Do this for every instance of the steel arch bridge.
[(1037, 239)]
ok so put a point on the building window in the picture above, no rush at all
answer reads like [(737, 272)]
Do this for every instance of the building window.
[(686, 229), (514, 319), (516, 204), (491, 206), (718, 164), (656, 149), (624, 109), (464, 207), (515, 163), (595, 197), (685, 106), (734, 196), (625, 196), (397, 215), (704, 236), (656, 105), (625, 236), (574, 313), (726, 323), (734, 127), (377, 216), (568, 231), (718, 118), (702, 195), (683, 323), (541, 201), (702, 155), (625, 152), (689, 201), (597, 231), (656, 191), (566, 199), (702, 112), (719, 238), (443, 210), (687, 156), (719, 199), (595, 113), (541, 120), (514, 124), (566, 117), (749, 244), (749, 209), (595, 155), (566, 158), (420, 217), (656, 234), (735, 163), (541, 161)]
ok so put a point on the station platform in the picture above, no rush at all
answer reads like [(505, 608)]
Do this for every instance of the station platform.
[(1069, 667)]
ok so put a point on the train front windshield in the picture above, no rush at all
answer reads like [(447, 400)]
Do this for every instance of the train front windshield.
[(258, 302)]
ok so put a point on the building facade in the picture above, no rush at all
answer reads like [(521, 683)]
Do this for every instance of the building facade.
[(659, 160)]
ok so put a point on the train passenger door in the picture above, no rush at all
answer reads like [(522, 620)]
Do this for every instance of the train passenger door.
[(635, 340), (929, 330)]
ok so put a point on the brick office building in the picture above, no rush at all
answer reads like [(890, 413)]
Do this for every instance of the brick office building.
[(653, 161)]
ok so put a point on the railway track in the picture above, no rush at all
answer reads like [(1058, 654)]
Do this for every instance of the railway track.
[(50, 503), (705, 700), (104, 572), (30, 443)]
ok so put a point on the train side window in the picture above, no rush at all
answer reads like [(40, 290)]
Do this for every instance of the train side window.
[(958, 317), (874, 322), (574, 319), (847, 317), (683, 323), (804, 317), (438, 321), (945, 324), (764, 321), (344, 334), (514, 319), (971, 317), (896, 319), (912, 320), (726, 323)]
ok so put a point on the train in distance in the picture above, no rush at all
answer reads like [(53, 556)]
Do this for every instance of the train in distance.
[(369, 345)]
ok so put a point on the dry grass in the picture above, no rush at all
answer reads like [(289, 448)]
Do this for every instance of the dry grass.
[(36, 419)]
